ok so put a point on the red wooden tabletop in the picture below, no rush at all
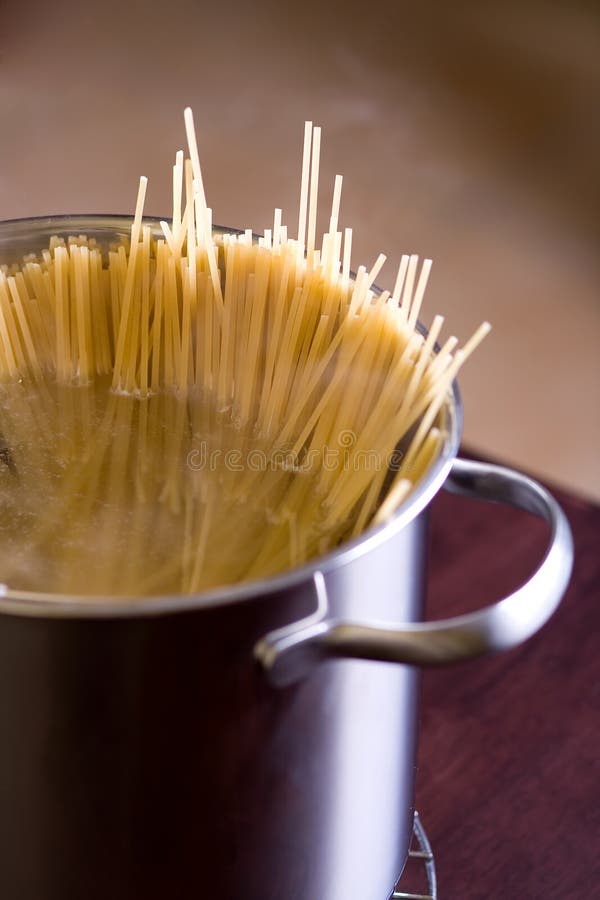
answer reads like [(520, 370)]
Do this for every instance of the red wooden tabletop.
[(508, 777)]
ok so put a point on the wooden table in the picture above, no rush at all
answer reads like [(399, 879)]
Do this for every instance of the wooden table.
[(508, 778)]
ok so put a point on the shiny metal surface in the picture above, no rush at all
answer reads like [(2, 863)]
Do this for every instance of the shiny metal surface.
[(290, 653), (420, 851)]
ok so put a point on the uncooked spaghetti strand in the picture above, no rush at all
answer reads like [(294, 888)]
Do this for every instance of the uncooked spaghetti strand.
[(79, 259), (304, 186), (115, 314), (188, 278), (157, 321), (313, 197), (145, 313), (243, 300), (375, 270), (132, 351), (419, 293), (63, 317), (44, 306), (34, 363), (277, 229), (11, 370), (335, 204), (442, 355), (171, 321), (124, 326), (409, 283), (223, 381), (190, 132), (170, 238), (346, 264), (475, 339), (98, 305), (400, 279), (177, 193), (208, 355), (199, 192)]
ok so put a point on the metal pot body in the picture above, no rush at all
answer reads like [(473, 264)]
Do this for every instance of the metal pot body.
[(149, 757)]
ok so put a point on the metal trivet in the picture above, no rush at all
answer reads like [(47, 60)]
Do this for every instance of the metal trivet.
[(420, 852)]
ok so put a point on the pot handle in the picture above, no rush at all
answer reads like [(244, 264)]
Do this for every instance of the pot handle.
[(291, 652)]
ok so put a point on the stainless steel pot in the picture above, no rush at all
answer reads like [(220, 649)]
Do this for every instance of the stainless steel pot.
[(255, 742)]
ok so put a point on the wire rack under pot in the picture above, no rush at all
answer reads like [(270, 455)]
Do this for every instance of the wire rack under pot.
[(419, 870)]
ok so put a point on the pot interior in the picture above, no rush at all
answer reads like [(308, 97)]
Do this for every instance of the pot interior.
[(66, 411)]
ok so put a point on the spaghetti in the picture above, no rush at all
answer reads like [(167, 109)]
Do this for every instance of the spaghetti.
[(194, 408)]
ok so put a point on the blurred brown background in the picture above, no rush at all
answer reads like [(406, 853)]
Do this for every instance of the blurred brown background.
[(468, 132)]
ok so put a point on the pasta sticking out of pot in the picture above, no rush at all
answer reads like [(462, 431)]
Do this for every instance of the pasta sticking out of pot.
[(190, 408)]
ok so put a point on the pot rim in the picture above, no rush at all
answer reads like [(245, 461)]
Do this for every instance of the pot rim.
[(34, 603)]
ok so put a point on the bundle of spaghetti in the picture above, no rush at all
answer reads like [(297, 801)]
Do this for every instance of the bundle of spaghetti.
[(217, 378)]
